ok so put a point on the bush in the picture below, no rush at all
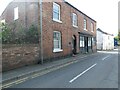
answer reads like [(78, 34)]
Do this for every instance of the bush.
[(32, 35), (16, 34), (6, 34)]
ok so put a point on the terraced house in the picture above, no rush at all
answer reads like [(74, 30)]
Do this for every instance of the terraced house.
[(65, 30)]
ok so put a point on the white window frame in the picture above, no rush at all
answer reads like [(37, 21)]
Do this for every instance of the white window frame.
[(60, 43), (16, 13), (85, 24), (74, 20), (55, 19), (92, 27), (82, 42)]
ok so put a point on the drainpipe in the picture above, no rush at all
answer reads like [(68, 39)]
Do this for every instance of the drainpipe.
[(40, 28)]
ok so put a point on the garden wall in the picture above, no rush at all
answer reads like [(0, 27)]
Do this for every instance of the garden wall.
[(16, 55)]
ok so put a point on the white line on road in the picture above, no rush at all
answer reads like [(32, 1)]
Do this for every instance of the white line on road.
[(82, 73), (105, 57)]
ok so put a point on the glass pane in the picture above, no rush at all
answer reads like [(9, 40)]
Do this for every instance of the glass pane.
[(74, 19), (56, 15), (83, 44), (56, 44), (84, 24), (54, 35), (56, 8), (57, 40), (15, 13), (80, 43), (56, 11)]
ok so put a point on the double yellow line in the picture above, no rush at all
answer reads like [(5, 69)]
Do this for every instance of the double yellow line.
[(15, 82)]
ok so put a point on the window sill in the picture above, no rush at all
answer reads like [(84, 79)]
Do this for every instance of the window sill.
[(57, 20), (82, 47), (89, 46), (57, 50), (75, 26), (15, 19), (85, 29)]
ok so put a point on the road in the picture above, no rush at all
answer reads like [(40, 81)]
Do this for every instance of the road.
[(96, 71)]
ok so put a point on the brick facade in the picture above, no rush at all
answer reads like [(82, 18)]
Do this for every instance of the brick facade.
[(28, 14)]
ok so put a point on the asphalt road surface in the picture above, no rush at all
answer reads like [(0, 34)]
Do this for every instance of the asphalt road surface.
[(96, 71)]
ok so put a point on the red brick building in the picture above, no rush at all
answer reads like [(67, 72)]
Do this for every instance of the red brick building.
[(65, 29)]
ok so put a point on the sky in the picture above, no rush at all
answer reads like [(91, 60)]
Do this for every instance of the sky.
[(119, 17), (105, 12)]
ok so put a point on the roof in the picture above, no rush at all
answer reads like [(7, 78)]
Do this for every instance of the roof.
[(78, 10), (104, 32)]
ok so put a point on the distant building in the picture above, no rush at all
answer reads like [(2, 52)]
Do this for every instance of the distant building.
[(105, 41)]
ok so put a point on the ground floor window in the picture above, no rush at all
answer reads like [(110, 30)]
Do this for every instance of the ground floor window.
[(57, 41), (89, 41), (81, 41)]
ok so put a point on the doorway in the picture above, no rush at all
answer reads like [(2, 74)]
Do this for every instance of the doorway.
[(74, 44), (86, 44)]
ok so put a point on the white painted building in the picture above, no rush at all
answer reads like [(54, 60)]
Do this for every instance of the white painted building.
[(105, 41)]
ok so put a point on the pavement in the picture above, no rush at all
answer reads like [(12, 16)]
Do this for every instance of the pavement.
[(23, 72)]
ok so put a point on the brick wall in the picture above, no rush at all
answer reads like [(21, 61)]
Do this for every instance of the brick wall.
[(14, 56)]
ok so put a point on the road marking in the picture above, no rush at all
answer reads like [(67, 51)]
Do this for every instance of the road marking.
[(6, 86), (82, 73), (35, 75), (15, 82), (105, 57), (19, 82)]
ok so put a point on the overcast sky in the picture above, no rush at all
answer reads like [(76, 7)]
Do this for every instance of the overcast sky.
[(105, 12)]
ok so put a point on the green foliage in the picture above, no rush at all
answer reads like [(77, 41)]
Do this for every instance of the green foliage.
[(116, 37), (17, 34), (32, 35), (119, 36), (6, 33)]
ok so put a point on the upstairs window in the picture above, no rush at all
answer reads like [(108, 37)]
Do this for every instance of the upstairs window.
[(92, 27), (56, 11), (16, 16), (85, 24), (74, 21)]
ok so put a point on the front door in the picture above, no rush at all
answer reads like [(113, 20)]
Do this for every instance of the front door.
[(74, 44), (86, 44)]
